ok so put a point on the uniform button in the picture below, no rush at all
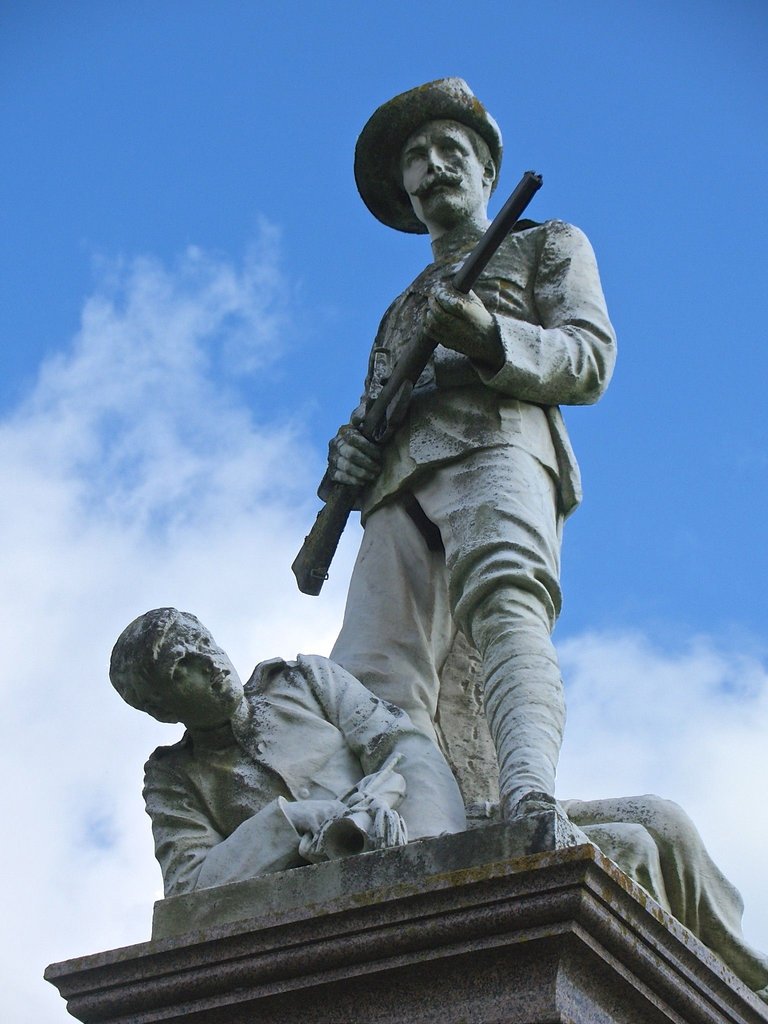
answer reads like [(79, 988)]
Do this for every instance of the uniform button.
[(303, 792)]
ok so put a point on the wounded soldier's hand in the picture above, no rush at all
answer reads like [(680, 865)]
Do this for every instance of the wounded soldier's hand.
[(385, 785), (462, 322), (308, 816), (370, 825), (386, 828), (352, 458), (372, 805)]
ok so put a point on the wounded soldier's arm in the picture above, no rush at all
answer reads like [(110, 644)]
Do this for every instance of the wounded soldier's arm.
[(374, 730), (194, 855), (568, 357)]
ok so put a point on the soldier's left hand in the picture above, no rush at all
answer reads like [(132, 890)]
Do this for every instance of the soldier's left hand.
[(462, 322)]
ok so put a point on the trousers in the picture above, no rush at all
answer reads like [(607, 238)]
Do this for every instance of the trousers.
[(496, 578), (656, 843)]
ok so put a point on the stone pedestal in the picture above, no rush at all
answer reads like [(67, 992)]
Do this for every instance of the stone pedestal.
[(456, 929)]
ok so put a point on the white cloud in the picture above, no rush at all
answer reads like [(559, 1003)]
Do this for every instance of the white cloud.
[(690, 725), (136, 475)]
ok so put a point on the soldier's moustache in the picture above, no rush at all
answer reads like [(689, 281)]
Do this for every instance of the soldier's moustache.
[(426, 186)]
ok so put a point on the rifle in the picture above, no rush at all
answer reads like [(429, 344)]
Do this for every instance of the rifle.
[(387, 411)]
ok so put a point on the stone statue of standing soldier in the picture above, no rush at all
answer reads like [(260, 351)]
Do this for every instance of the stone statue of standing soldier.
[(464, 505)]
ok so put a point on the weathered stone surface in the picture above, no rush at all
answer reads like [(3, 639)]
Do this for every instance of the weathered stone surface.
[(319, 886), (561, 936), (463, 727)]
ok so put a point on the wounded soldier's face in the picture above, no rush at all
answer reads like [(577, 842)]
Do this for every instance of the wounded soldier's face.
[(204, 689)]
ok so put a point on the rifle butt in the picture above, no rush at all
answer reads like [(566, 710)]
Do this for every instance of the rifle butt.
[(310, 567)]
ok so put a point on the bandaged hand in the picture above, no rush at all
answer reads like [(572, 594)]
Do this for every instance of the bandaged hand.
[(385, 827), (369, 821), (309, 816), (377, 796), (385, 784)]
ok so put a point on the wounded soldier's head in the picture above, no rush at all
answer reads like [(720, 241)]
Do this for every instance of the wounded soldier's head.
[(167, 664)]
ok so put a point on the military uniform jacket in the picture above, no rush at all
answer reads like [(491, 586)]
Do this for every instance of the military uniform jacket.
[(543, 290)]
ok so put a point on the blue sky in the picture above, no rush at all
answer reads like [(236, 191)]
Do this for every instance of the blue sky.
[(143, 128), (189, 288)]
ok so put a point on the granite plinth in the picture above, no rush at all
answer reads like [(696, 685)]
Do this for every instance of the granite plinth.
[(444, 930)]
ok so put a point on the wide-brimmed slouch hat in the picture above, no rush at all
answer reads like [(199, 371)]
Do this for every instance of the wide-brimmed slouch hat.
[(377, 154)]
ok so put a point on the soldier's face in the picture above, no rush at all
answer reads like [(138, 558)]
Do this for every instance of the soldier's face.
[(442, 174), (204, 689)]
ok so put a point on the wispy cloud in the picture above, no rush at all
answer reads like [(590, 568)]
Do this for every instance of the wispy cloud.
[(689, 724), (134, 475)]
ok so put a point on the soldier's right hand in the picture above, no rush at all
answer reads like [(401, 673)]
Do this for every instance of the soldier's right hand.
[(352, 458)]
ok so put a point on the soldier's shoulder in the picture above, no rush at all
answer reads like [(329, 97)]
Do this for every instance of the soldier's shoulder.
[(534, 234), (560, 238), (526, 225), (168, 755), (276, 675), (532, 242), (562, 231), (546, 228)]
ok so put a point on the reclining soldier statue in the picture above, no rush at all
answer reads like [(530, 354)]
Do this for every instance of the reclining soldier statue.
[(264, 769)]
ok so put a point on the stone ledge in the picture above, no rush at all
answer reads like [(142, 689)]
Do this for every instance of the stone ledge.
[(340, 884), (558, 936)]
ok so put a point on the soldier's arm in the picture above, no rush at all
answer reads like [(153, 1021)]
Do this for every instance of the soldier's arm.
[(352, 459), (375, 729), (193, 854), (567, 358)]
